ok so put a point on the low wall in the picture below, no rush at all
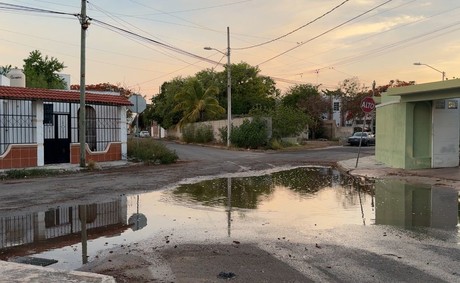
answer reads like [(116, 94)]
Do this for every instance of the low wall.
[(216, 125), (111, 153), (19, 156)]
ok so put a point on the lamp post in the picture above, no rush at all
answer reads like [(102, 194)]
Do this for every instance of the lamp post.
[(420, 64), (229, 86)]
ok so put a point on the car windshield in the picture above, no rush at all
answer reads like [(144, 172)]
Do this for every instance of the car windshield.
[(358, 134)]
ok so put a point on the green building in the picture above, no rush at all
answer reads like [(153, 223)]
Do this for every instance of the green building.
[(418, 126)]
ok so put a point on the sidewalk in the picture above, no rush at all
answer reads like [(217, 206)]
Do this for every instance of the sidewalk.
[(15, 272), (368, 167)]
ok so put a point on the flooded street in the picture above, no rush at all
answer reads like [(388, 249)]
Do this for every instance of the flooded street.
[(279, 205)]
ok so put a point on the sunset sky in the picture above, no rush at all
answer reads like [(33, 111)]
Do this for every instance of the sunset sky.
[(321, 42)]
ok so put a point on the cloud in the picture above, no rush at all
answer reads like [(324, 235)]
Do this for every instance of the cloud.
[(370, 28)]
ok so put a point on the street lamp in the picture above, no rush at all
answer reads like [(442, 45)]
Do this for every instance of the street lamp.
[(229, 86), (443, 73)]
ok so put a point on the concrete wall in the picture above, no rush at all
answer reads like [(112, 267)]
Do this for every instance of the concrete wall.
[(216, 125), (391, 133)]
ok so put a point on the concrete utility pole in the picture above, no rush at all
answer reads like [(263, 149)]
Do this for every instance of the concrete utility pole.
[(229, 90), (229, 85), (82, 120)]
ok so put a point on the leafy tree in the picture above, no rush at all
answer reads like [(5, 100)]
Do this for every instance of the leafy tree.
[(41, 72), (288, 121), (250, 89), (307, 98), (161, 109), (197, 103)]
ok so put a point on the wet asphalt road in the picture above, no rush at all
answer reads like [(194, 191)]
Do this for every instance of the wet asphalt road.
[(375, 253), (195, 161)]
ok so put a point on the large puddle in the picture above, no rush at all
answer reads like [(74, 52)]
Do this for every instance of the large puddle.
[(266, 205)]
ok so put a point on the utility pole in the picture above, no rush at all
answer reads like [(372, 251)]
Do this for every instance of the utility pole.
[(84, 22), (229, 90)]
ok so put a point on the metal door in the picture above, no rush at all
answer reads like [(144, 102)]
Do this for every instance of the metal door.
[(57, 139)]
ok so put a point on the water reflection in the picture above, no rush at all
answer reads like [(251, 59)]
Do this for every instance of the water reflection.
[(250, 192), (291, 202), (21, 232), (414, 205)]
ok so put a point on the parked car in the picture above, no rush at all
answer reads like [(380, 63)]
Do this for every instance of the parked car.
[(368, 138), (143, 134)]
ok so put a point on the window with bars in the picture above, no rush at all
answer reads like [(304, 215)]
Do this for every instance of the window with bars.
[(16, 123)]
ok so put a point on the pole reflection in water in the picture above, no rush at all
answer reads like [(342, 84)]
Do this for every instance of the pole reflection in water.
[(229, 206), (361, 204), (84, 234)]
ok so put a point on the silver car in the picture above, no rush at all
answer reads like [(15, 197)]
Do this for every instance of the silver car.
[(367, 138)]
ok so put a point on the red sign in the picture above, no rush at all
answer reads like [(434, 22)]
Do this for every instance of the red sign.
[(368, 104)]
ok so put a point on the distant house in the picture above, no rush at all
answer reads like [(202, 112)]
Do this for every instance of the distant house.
[(40, 126)]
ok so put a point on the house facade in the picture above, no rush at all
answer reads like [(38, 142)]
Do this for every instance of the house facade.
[(41, 126), (418, 126)]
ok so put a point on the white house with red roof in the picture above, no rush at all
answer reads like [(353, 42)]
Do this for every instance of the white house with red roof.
[(40, 126)]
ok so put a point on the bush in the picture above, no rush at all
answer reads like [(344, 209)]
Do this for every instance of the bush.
[(197, 134), (223, 134), (188, 133), (251, 134), (150, 152)]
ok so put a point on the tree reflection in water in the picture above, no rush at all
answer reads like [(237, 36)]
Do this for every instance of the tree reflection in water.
[(248, 192)]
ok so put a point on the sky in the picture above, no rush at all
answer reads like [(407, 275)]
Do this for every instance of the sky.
[(319, 42)]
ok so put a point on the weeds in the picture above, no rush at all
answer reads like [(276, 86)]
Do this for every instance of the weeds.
[(28, 173), (150, 152)]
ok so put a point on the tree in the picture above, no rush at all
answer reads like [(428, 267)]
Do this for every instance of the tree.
[(351, 92), (250, 89), (197, 103), (161, 109), (41, 72), (288, 121), (307, 98)]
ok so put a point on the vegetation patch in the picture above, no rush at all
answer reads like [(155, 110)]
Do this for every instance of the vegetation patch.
[(28, 173), (251, 134), (197, 133), (150, 151)]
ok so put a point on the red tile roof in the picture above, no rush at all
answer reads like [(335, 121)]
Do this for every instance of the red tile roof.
[(53, 95)]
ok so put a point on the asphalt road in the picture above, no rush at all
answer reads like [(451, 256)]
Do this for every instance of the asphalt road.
[(374, 253), (195, 161)]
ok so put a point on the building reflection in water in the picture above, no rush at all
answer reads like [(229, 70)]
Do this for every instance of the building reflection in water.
[(414, 205), (72, 223)]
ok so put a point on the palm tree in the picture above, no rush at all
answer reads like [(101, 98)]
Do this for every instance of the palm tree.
[(196, 103)]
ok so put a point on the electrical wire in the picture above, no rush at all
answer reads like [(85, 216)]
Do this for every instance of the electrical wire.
[(326, 32), (13, 7), (295, 30), (164, 45)]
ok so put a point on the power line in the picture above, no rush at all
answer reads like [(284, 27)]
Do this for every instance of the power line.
[(293, 31), (326, 32), (13, 7), (164, 45)]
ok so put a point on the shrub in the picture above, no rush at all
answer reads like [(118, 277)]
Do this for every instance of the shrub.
[(188, 133), (150, 152), (251, 134), (197, 134), (223, 134), (204, 134)]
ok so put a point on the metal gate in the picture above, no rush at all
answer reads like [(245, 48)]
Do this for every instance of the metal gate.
[(57, 134)]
